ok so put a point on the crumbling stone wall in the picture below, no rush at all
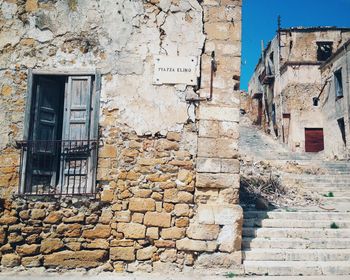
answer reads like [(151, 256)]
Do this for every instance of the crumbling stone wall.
[(167, 173)]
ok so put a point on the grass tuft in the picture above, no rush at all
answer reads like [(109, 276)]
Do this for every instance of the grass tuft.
[(334, 225)]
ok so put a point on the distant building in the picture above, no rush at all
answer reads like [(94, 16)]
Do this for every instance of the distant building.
[(335, 95), (287, 82)]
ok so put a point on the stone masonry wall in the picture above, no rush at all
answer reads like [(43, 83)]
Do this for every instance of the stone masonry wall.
[(167, 172)]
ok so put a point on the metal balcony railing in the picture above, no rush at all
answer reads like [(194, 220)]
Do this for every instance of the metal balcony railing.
[(60, 167)]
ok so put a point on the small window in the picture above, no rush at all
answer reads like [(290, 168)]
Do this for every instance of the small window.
[(324, 50), (315, 101), (338, 80), (341, 125), (59, 149)]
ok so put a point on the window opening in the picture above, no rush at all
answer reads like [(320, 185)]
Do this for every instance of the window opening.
[(324, 50), (341, 125), (59, 154), (338, 84)]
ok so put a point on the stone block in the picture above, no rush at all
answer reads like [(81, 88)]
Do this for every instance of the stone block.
[(222, 260), (132, 230), (106, 216), (145, 253), (122, 254), (173, 233), (182, 222), (173, 136), (150, 161), (123, 216), (166, 145), (219, 214), (203, 232), (100, 231), (230, 166), (31, 5), (50, 245), (71, 230), (97, 244), (34, 261), (122, 243), (217, 148), (229, 129), (78, 259), (217, 181), (152, 232), (208, 129), (38, 214), (53, 218), (107, 195), (170, 195), (74, 219), (230, 238), (196, 245), (8, 220), (164, 243), (208, 165), (108, 151), (157, 219), (137, 218), (28, 250), (215, 113), (10, 260), (168, 255), (185, 197), (181, 210), (218, 30), (141, 204), (228, 196)]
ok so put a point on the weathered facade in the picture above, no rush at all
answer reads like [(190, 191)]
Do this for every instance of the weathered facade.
[(286, 84), (119, 170), (335, 104)]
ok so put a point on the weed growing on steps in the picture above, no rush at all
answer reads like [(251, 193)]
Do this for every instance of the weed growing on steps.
[(334, 225), (230, 275), (330, 194)]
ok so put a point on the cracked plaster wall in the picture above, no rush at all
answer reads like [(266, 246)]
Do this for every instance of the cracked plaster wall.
[(120, 38)]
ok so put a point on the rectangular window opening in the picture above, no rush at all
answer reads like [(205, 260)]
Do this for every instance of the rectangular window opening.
[(341, 125), (324, 50), (338, 79), (59, 150)]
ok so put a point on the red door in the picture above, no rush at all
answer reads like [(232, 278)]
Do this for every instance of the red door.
[(314, 141)]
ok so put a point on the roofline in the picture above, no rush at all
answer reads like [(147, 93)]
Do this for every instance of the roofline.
[(314, 28)]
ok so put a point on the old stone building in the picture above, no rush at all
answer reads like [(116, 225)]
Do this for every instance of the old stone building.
[(287, 82), (334, 98), (119, 131)]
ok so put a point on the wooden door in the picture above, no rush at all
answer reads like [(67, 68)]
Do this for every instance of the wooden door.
[(314, 140)]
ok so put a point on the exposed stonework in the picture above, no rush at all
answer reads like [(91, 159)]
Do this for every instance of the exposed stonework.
[(161, 158)]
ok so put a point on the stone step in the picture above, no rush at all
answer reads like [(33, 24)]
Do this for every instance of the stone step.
[(302, 233), (282, 223), (296, 255), (289, 268), (295, 243), (335, 199), (316, 176), (294, 215), (326, 190)]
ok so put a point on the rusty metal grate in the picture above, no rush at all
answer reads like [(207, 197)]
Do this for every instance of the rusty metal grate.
[(61, 167)]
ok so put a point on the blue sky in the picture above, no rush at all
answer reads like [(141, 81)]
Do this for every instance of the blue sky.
[(260, 23)]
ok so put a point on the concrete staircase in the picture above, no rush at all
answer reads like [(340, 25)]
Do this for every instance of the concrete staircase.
[(312, 240)]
